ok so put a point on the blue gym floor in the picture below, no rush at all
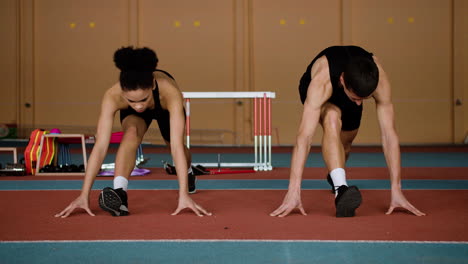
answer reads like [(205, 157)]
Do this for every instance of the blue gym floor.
[(235, 252)]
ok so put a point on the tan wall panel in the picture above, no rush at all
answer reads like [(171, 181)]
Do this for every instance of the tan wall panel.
[(286, 37), (413, 41), (26, 66), (464, 76), (461, 70), (194, 41), (8, 63), (74, 46)]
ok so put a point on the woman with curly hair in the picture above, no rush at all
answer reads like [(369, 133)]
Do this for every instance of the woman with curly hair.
[(142, 94)]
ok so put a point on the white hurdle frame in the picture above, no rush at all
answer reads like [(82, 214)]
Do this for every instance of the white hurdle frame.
[(262, 125)]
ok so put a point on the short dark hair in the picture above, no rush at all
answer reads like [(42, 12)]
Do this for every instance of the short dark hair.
[(361, 76), (136, 67)]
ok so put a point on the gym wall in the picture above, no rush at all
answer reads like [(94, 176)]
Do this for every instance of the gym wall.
[(460, 71), (57, 60), (9, 62)]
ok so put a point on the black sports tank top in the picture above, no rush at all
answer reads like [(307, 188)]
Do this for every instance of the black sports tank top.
[(338, 57), (157, 103)]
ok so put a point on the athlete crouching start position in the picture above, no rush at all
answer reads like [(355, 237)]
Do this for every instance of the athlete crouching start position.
[(143, 93), (332, 90)]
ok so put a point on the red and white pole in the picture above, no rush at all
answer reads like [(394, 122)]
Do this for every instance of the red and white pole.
[(270, 167), (255, 134), (265, 132)]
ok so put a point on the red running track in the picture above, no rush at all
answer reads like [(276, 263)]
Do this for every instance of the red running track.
[(436, 173), (28, 215)]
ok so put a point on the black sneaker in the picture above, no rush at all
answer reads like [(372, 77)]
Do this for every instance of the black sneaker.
[(192, 179), (114, 201), (347, 201), (330, 181)]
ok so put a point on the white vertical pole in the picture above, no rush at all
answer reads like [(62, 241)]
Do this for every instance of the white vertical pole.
[(255, 134), (260, 133), (265, 132), (187, 120), (270, 166), (39, 154)]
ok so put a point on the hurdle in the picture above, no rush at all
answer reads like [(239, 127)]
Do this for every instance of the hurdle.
[(261, 129), (14, 151)]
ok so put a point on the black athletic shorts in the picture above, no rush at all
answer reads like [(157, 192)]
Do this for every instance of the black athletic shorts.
[(351, 113), (162, 117)]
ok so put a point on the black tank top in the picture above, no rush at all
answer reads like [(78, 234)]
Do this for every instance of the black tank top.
[(338, 57), (157, 103)]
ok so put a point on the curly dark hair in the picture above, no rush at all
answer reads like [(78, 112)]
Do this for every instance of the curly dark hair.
[(136, 67)]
